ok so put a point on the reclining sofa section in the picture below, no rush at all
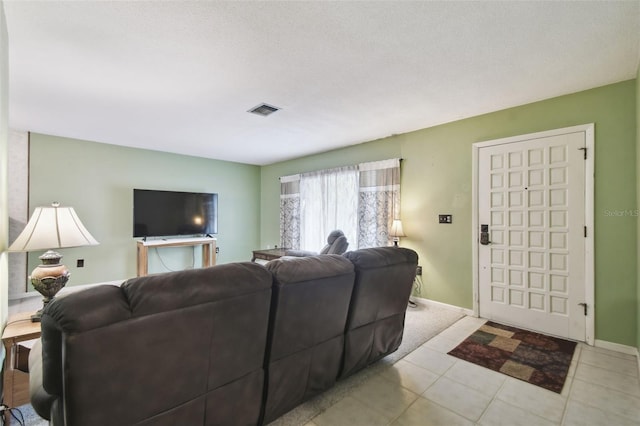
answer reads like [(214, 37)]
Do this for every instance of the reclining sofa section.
[(233, 344), (163, 349), (308, 315), (384, 278)]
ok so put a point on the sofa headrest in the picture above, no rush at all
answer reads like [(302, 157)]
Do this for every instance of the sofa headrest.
[(381, 256), (88, 309), (107, 304), (296, 269), (178, 290)]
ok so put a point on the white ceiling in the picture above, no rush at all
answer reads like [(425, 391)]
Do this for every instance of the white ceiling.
[(179, 76)]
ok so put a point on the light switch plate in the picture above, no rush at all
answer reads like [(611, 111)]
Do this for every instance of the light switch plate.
[(445, 218)]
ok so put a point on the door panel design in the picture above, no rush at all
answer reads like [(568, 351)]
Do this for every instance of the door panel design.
[(532, 196)]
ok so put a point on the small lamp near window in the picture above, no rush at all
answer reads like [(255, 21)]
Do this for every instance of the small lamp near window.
[(51, 228), (396, 231)]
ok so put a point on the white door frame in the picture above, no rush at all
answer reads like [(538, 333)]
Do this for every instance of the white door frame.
[(589, 260)]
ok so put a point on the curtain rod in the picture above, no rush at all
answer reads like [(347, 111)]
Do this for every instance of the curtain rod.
[(334, 168)]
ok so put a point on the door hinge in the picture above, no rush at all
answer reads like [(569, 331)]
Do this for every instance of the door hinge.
[(585, 232), (585, 152)]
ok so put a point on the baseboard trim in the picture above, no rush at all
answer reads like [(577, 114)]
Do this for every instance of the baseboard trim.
[(617, 347), (427, 302)]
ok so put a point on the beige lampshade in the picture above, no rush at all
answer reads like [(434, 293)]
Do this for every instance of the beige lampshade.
[(396, 229), (53, 227)]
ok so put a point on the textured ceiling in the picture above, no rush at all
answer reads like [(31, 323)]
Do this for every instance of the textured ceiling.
[(179, 76)]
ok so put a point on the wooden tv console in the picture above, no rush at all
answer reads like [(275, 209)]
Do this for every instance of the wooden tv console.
[(208, 250)]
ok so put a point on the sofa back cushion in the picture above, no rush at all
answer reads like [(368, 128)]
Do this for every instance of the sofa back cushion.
[(187, 345), (384, 278), (308, 317)]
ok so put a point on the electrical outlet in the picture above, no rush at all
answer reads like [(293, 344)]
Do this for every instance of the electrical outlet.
[(80, 263), (217, 249), (419, 270), (445, 218)]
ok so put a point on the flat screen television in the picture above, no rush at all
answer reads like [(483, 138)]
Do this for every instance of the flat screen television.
[(172, 213)]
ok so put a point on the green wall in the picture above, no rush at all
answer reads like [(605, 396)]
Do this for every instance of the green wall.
[(97, 180), (436, 179)]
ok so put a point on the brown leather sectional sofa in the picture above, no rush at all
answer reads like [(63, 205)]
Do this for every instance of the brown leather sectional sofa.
[(234, 344)]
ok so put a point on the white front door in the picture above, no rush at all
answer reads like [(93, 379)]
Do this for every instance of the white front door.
[(532, 233)]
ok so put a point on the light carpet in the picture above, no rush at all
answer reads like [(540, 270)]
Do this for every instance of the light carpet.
[(422, 323)]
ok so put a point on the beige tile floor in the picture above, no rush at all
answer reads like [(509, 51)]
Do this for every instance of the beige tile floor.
[(429, 387)]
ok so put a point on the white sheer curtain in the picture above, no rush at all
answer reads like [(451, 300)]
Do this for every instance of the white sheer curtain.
[(328, 201)]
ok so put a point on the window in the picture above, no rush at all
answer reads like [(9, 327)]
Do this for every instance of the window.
[(360, 200)]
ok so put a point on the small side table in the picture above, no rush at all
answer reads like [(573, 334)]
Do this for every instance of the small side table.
[(16, 382), (268, 254)]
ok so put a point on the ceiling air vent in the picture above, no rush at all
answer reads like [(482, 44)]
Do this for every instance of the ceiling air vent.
[(264, 109)]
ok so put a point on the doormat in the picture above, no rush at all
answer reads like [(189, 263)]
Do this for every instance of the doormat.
[(535, 358)]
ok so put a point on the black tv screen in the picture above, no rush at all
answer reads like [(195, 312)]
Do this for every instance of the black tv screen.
[(170, 213)]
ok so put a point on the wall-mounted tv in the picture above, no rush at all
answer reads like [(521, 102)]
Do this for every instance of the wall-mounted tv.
[(172, 213)]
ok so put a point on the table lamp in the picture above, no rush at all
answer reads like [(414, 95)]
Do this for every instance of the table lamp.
[(51, 228), (396, 231)]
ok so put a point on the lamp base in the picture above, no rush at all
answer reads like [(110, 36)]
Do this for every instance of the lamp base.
[(38, 315), (48, 279)]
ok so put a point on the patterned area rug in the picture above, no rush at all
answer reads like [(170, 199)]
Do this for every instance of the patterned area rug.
[(535, 358)]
